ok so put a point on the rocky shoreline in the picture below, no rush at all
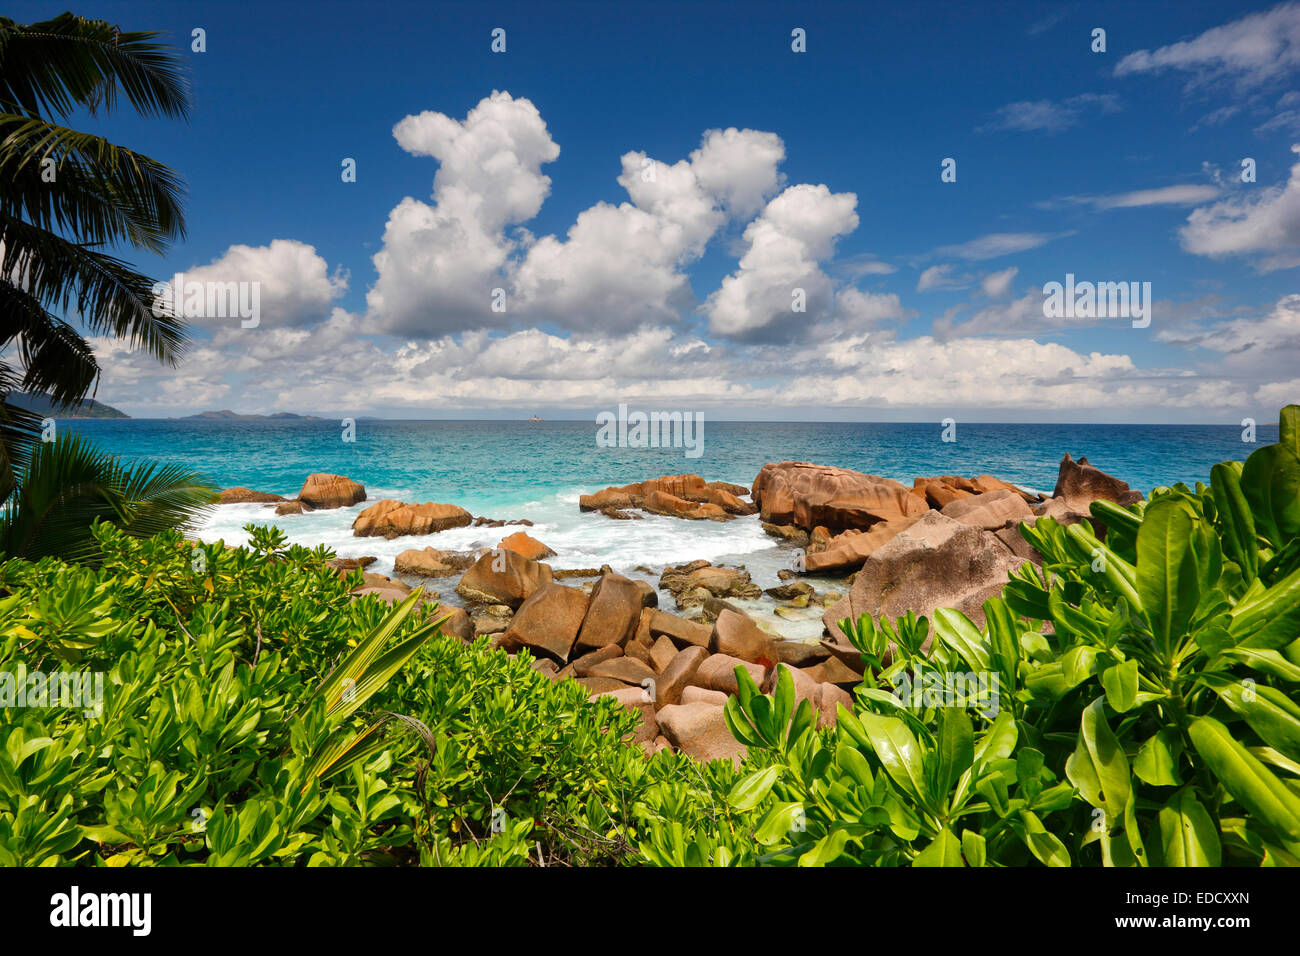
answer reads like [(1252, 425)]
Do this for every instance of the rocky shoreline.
[(946, 541)]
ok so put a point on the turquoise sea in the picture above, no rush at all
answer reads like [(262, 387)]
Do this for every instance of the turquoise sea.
[(537, 470)]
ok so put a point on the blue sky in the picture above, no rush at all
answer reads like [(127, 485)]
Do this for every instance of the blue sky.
[(775, 170)]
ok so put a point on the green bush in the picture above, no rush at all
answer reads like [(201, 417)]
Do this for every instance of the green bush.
[(1145, 710), (221, 741)]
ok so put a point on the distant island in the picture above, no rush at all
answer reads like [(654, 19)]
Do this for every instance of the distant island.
[(41, 405), (226, 415)]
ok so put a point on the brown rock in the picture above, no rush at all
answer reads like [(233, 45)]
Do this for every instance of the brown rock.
[(615, 611), (740, 491), (830, 698), (680, 631), (838, 647), (546, 667), (699, 695), (387, 594), (787, 532), (520, 543), (791, 591), (662, 503), (938, 492), (641, 652), (800, 654), (322, 491), (834, 671), (492, 619), (291, 508), (431, 563), (239, 496), (807, 495), (547, 622), (737, 635), (582, 665), (848, 550), (679, 673), (1080, 484), (456, 623), (990, 510), (938, 562), (344, 565), (1016, 543), (662, 653), (627, 669), (700, 730), (649, 596), (600, 685), (390, 519), (503, 577), (719, 673), (686, 582)]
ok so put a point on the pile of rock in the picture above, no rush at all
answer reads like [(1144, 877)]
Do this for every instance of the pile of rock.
[(842, 517), (677, 496), (699, 584)]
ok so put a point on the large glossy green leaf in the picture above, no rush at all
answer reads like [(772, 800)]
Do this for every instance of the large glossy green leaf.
[(1120, 682), (749, 791), (826, 850), (1045, 846), (1268, 618), (955, 630), (1269, 712), (1188, 835), (1253, 785), (1236, 523), (1106, 757), (954, 750), (944, 850), (896, 747), (1178, 561), (1271, 483), (1156, 762)]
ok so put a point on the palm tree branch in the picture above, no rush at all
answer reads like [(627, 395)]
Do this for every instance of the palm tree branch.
[(102, 192), (71, 61), (109, 296)]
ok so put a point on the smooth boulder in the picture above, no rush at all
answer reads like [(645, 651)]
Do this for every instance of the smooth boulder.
[(808, 496), (391, 519), (937, 562), (321, 491), (503, 577)]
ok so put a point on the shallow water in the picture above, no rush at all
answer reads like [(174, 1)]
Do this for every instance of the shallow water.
[(512, 470)]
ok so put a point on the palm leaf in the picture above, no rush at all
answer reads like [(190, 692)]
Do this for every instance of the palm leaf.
[(69, 61), (69, 485)]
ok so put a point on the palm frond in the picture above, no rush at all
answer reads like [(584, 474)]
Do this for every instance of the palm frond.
[(70, 61), (102, 193), (69, 484), (109, 296)]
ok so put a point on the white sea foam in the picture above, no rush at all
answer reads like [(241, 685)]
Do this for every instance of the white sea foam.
[(580, 540)]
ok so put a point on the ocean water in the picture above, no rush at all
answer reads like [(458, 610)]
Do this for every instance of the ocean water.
[(537, 470)]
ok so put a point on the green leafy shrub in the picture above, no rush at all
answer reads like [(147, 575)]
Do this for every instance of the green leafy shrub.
[(253, 712), (1145, 709)]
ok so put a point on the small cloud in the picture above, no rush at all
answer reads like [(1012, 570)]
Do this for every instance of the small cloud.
[(1188, 195), (996, 285), (1029, 115), (997, 244)]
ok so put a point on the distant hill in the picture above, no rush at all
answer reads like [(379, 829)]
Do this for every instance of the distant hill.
[(41, 405), (226, 415)]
